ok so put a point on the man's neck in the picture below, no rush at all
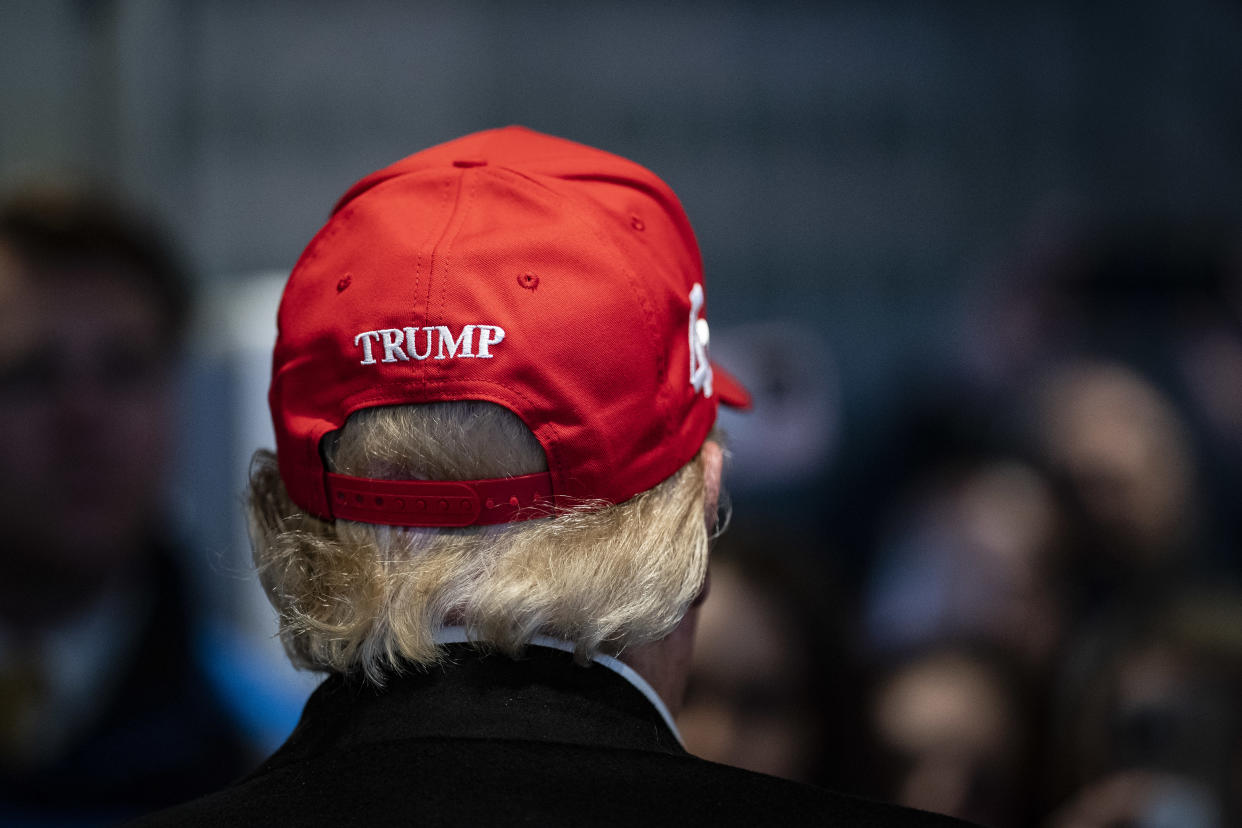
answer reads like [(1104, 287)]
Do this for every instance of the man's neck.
[(665, 664)]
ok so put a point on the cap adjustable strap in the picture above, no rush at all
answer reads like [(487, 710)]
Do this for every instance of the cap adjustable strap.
[(440, 503)]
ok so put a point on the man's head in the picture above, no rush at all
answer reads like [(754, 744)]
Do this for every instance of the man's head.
[(522, 315), (92, 305)]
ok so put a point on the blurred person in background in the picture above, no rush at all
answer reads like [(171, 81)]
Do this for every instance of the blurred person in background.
[(1148, 717), (773, 684), (1125, 455), (1160, 301), (976, 550), (965, 616), (1109, 364), (954, 732), (104, 711)]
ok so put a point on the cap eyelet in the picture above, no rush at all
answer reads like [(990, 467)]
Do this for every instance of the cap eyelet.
[(637, 223), (530, 281)]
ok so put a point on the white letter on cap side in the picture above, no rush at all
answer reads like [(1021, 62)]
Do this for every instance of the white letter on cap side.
[(700, 365), (365, 338), (393, 338), (411, 342), (489, 335), (463, 341)]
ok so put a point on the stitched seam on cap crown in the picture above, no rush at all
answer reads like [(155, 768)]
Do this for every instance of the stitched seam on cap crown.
[(470, 179), (330, 228), (334, 226), (418, 266), (446, 242), (431, 265)]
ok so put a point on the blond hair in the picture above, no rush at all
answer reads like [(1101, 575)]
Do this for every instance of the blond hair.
[(356, 597)]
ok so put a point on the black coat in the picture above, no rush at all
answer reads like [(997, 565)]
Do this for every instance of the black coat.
[(487, 740)]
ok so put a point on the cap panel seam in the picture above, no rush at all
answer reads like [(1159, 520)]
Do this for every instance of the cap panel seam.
[(461, 209), (434, 256), (330, 228), (342, 215)]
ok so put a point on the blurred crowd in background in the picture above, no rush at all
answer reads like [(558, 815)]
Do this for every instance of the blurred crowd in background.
[(1024, 607), (985, 517)]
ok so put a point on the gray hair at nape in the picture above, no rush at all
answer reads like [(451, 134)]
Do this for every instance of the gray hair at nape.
[(368, 599)]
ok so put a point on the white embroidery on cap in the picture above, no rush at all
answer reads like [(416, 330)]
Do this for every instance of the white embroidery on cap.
[(401, 344), (489, 335), (411, 339), (365, 339), (700, 365), (391, 338), (462, 341)]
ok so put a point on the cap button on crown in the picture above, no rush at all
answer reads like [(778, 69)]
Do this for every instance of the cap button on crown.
[(470, 162)]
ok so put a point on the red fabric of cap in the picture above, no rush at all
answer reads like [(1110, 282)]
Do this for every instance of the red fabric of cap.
[(559, 281)]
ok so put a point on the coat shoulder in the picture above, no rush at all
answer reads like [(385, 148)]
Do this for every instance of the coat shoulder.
[(454, 782)]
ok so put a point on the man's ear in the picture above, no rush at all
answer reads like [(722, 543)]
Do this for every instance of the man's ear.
[(713, 469)]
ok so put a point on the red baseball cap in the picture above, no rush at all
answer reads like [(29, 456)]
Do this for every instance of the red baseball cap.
[(559, 281)]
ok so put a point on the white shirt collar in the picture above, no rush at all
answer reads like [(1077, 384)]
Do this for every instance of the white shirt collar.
[(458, 635)]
